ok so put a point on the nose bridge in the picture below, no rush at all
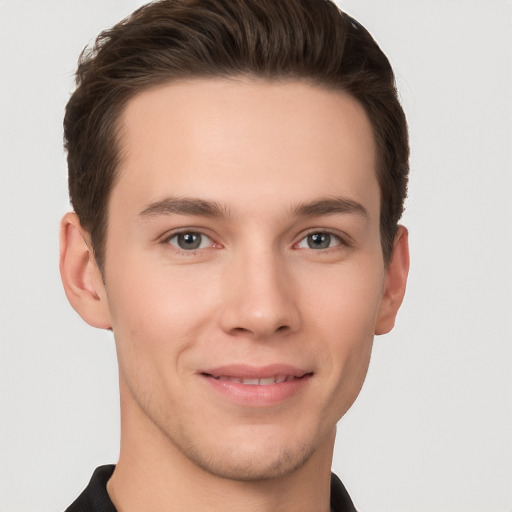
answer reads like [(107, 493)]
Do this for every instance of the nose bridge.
[(260, 294)]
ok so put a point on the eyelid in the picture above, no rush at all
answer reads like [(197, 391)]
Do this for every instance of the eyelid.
[(343, 239), (165, 240), (186, 229)]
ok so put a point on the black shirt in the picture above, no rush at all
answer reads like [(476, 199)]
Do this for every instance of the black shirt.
[(95, 497)]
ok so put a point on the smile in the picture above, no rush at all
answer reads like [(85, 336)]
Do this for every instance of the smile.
[(262, 386), (264, 381)]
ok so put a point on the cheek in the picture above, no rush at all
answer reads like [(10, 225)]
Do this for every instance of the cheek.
[(346, 313), (157, 314), (345, 299), (351, 378), (346, 357)]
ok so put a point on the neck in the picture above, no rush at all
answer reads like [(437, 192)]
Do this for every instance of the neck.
[(154, 475)]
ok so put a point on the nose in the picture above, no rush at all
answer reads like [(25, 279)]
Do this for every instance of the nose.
[(259, 300)]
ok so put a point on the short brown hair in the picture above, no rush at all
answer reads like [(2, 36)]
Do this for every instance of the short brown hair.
[(306, 40)]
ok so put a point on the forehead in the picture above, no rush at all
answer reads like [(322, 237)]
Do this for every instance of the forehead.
[(246, 143)]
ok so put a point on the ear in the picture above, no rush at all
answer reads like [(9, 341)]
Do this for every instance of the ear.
[(395, 282), (80, 274)]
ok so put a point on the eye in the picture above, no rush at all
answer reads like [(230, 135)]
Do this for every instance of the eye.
[(320, 240), (190, 241)]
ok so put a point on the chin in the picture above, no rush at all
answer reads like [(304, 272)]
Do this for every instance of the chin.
[(252, 465)]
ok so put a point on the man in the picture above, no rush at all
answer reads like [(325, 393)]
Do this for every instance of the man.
[(237, 170)]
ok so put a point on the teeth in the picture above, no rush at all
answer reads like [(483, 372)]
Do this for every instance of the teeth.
[(267, 381), (231, 379), (251, 382)]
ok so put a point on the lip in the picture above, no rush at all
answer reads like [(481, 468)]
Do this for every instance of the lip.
[(256, 386)]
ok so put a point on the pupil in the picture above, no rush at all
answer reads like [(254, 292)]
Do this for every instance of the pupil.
[(189, 240), (319, 241)]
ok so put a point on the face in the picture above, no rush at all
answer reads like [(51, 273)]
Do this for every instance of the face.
[(244, 276)]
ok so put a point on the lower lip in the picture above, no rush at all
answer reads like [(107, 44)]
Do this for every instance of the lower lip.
[(257, 395)]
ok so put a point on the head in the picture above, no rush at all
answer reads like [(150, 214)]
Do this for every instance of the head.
[(237, 169), (310, 41)]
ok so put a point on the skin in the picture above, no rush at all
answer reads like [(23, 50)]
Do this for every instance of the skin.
[(275, 163)]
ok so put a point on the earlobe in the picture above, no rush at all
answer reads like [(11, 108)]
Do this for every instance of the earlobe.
[(395, 283), (80, 274)]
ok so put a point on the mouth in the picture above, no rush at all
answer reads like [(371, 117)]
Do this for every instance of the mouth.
[(257, 386), (257, 381)]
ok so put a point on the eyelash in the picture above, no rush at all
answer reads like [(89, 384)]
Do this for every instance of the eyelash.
[(189, 252), (341, 241)]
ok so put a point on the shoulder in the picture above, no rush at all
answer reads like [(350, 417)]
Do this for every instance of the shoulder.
[(340, 499), (95, 497)]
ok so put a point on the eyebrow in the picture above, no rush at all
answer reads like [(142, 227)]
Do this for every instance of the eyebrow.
[(188, 206), (330, 206), (205, 208)]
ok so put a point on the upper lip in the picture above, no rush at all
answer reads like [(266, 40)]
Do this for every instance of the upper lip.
[(245, 371)]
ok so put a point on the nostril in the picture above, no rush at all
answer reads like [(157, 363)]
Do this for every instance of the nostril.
[(240, 330)]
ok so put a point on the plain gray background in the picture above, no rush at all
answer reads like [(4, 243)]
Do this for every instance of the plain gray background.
[(432, 429)]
